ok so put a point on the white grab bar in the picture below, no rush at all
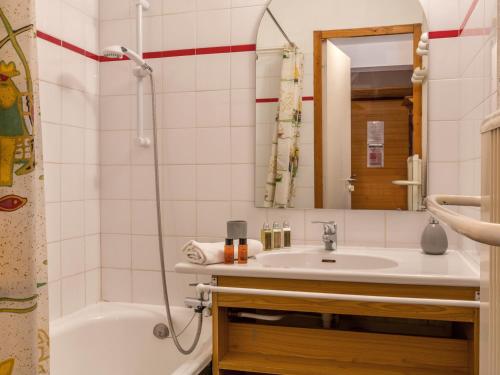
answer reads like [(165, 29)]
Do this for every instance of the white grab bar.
[(201, 288), (477, 230)]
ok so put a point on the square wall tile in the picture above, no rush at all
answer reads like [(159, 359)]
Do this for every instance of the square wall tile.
[(73, 145), (178, 110), (147, 287), (243, 107), (243, 70), (178, 6), (213, 108), (213, 145), (92, 252), (115, 182), (72, 293), (213, 182), (213, 72), (92, 287), (243, 145), (144, 217), (212, 4), (179, 182), (213, 28), (242, 182), (180, 218), (365, 228), (445, 101), (145, 253), (72, 182), (72, 219), (212, 218), (72, 256), (179, 31), (404, 229), (116, 285), (179, 74), (179, 146), (115, 216), (116, 251)]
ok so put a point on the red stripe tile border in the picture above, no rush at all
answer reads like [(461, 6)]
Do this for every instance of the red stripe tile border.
[(439, 34), (213, 50), (73, 48), (276, 100), (267, 100), (244, 48), (179, 52), (48, 38)]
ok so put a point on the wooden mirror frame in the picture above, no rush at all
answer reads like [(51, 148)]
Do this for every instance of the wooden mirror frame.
[(319, 37)]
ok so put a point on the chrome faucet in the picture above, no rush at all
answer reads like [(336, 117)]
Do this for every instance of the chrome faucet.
[(329, 234)]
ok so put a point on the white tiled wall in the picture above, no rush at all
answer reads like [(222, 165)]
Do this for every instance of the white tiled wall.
[(207, 143), (463, 91), (207, 136), (69, 106)]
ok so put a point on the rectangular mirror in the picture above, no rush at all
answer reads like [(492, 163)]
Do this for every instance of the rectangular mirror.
[(341, 105)]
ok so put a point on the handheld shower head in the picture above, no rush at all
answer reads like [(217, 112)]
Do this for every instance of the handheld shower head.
[(117, 52)]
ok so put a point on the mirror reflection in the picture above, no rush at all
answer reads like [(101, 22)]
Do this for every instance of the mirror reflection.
[(341, 104)]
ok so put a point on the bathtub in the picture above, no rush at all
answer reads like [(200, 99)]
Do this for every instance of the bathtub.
[(117, 339)]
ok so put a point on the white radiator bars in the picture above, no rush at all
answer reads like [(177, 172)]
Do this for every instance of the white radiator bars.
[(485, 231)]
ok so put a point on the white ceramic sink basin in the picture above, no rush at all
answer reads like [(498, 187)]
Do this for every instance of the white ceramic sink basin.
[(351, 264), (324, 260)]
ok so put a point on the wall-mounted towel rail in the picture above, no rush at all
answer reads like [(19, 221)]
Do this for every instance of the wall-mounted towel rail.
[(477, 230), (201, 288)]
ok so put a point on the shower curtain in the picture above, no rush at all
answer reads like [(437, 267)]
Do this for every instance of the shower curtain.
[(24, 340), (284, 161)]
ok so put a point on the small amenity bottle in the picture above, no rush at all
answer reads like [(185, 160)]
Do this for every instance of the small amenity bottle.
[(266, 237), (276, 236), (229, 251), (287, 235), (242, 251)]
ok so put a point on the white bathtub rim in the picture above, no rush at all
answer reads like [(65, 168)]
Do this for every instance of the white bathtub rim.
[(118, 311)]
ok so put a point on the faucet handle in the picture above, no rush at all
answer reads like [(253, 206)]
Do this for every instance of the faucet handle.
[(329, 227)]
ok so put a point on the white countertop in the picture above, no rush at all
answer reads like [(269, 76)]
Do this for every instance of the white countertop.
[(410, 266)]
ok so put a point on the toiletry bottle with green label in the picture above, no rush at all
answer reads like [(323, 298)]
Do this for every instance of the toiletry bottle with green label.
[(266, 237)]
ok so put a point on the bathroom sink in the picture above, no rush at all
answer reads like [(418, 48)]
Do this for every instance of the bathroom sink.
[(325, 260)]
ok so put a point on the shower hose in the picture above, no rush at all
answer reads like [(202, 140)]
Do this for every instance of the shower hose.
[(175, 336)]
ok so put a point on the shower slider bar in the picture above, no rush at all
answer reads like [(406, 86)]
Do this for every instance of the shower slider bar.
[(204, 288), (477, 230)]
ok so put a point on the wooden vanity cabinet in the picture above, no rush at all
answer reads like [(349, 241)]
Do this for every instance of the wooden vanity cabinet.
[(257, 348)]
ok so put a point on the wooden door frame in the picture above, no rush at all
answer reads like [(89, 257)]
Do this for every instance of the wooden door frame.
[(318, 38)]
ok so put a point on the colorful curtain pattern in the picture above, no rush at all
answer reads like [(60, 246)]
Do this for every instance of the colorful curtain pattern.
[(284, 160), (24, 340)]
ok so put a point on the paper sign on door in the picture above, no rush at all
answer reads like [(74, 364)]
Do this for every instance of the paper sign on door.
[(375, 144)]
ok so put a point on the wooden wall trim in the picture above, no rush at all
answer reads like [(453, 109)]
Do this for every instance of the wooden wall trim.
[(318, 37), (318, 119)]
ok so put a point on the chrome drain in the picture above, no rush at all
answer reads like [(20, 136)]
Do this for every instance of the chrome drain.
[(161, 331)]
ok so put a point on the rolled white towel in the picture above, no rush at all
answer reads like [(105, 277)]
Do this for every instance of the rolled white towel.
[(211, 253)]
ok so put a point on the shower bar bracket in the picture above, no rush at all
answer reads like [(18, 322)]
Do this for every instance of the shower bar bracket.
[(139, 73), (204, 288)]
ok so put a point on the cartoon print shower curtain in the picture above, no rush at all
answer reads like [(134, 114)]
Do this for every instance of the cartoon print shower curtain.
[(284, 161), (24, 343)]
